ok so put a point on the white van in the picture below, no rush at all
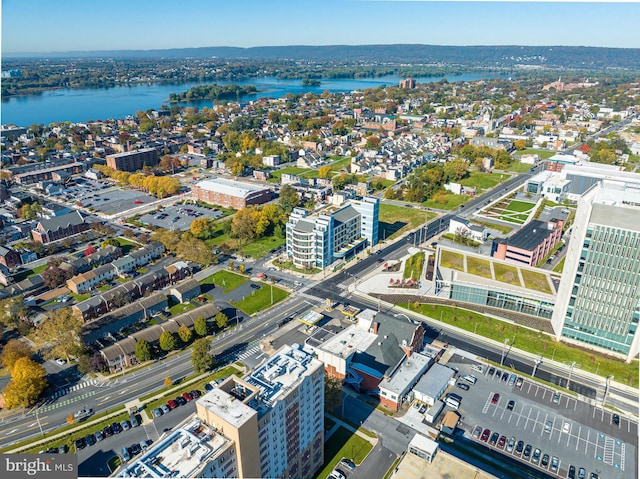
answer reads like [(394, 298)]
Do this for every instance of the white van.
[(469, 378), (452, 403)]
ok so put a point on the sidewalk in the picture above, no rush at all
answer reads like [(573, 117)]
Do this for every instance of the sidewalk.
[(340, 422)]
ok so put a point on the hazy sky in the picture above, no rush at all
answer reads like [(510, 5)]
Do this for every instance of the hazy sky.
[(77, 25)]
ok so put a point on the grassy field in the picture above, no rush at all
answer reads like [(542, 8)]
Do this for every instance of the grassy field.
[(180, 308), (534, 342), (289, 265), (517, 211), (225, 279), (537, 281), (413, 266), (518, 167), (343, 443), (261, 299), (506, 273), (544, 154), (80, 297), (479, 267), (453, 201), (127, 246), (504, 229), (450, 259), (394, 220), (261, 247), (483, 181), (276, 175)]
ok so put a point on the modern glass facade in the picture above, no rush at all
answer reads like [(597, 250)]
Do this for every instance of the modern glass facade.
[(604, 303)]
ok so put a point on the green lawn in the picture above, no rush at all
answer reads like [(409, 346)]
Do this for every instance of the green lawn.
[(394, 220), (504, 229), (28, 273), (483, 181), (478, 266), (453, 201), (517, 211), (104, 287), (225, 279), (80, 297), (180, 308), (127, 246), (519, 167), (413, 266), (537, 281), (289, 265), (506, 273), (341, 163), (452, 260), (544, 154), (531, 341), (276, 175), (261, 247), (261, 299), (343, 443), (560, 266)]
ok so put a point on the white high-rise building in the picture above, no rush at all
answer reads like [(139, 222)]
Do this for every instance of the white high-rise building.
[(598, 302)]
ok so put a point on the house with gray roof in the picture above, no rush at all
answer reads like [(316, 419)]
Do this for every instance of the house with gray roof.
[(59, 227), (185, 290)]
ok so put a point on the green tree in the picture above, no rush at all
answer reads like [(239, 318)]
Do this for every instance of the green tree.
[(168, 341), (14, 350), (289, 198), (27, 383), (185, 333), (110, 242), (456, 169), (201, 358), (332, 393), (200, 326), (13, 311), (222, 320), (243, 225), (389, 193), (324, 172), (60, 332), (143, 351)]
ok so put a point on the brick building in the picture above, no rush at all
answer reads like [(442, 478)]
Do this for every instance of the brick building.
[(59, 227), (230, 194), (530, 244), (133, 160)]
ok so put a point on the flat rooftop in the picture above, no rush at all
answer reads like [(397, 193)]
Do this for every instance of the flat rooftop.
[(230, 187), (407, 373), (352, 339), (181, 454)]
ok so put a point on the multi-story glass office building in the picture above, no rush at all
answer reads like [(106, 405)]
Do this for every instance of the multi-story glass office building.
[(598, 300)]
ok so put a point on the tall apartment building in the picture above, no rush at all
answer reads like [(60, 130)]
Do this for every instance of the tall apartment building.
[(133, 160), (274, 416), (317, 241), (599, 295)]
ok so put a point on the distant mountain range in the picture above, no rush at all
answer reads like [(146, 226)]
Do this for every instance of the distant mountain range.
[(490, 56)]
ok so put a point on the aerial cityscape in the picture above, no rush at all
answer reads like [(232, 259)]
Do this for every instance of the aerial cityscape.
[(341, 240)]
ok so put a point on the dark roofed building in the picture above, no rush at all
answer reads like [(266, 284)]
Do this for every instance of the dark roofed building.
[(530, 244), (59, 227), (185, 290), (9, 257)]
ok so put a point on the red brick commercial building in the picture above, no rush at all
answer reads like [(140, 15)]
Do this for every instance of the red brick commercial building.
[(230, 194), (531, 244), (133, 160), (59, 227)]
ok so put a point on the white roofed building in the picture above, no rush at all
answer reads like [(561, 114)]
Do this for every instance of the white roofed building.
[(230, 194)]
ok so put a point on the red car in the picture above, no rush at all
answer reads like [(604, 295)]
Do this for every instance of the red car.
[(485, 435), (495, 398), (172, 404), (502, 441), (187, 396)]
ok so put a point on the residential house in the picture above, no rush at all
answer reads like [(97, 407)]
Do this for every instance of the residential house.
[(185, 290), (84, 282), (9, 257), (463, 227)]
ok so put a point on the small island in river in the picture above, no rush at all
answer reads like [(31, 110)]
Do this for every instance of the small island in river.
[(213, 92)]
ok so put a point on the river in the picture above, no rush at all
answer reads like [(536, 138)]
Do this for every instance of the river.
[(80, 105)]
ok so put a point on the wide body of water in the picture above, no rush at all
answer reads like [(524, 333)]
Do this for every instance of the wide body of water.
[(118, 102)]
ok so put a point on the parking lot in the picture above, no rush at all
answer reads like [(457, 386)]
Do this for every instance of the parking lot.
[(104, 197), (556, 424), (179, 217)]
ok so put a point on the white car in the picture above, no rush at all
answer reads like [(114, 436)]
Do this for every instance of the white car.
[(566, 428), (335, 474), (61, 362)]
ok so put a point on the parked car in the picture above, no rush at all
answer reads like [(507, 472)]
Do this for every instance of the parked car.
[(172, 404), (463, 386), (554, 464), (556, 397), (98, 435), (348, 463), (510, 405), (165, 408), (117, 428), (519, 382), (134, 420), (208, 387), (135, 449), (502, 442), (196, 394), (180, 400), (187, 396), (572, 472), (494, 438), (80, 443), (485, 435), (126, 455), (536, 455), (63, 449), (90, 439), (548, 426), (505, 376), (157, 412), (495, 398), (125, 425), (492, 371), (107, 431), (519, 447), (477, 431), (582, 474), (511, 444), (616, 419), (545, 460), (527, 451)]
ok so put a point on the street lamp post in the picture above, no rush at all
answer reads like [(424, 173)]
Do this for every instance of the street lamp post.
[(40, 425), (504, 346), (606, 389), (573, 365), (535, 366)]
